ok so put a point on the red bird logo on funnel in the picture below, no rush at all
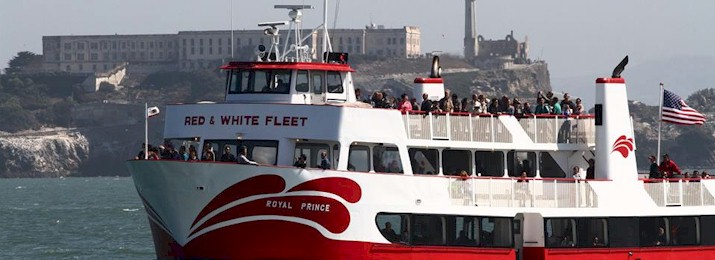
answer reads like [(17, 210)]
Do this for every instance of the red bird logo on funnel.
[(623, 145)]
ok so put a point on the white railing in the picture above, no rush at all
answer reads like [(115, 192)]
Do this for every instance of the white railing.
[(541, 193), (488, 128), (558, 129), (679, 192), (456, 127)]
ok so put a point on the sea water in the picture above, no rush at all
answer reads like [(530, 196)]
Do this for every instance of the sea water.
[(73, 218)]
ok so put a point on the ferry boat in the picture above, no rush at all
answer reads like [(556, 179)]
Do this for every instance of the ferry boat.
[(386, 184)]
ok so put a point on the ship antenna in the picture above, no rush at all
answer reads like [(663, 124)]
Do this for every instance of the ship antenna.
[(621, 66)]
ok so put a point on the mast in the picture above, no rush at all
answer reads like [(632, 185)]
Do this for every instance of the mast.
[(660, 122), (325, 31), (232, 39)]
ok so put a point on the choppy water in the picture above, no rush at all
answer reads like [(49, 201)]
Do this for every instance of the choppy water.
[(72, 218)]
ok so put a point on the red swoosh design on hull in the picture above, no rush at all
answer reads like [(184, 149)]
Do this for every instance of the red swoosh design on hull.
[(262, 184), (334, 216), (347, 189)]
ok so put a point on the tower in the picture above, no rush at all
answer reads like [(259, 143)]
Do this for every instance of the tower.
[(471, 47)]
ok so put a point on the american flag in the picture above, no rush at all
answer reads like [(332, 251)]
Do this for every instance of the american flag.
[(677, 112)]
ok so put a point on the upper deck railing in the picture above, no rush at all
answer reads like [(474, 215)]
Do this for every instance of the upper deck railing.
[(489, 128), (515, 192), (680, 192)]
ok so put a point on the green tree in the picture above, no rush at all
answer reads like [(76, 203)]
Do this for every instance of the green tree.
[(23, 61)]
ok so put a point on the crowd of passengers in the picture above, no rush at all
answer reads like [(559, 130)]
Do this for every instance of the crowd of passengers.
[(478, 104), (669, 169)]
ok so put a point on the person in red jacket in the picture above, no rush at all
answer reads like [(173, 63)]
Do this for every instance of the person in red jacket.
[(668, 167)]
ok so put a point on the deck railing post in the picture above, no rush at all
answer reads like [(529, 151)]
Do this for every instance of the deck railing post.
[(556, 193), (665, 192), (449, 127), (431, 126), (407, 122), (578, 194), (702, 196), (491, 122), (471, 131), (680, 191), (489, 186), (536, 130), (556, 129)]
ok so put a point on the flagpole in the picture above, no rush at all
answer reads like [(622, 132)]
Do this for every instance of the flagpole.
[(660, 121), (146, 131)]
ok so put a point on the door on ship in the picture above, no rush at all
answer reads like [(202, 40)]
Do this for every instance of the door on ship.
[(317, 82), (529, 236)]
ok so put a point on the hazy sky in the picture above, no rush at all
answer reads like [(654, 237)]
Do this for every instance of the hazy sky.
[(576, 38)]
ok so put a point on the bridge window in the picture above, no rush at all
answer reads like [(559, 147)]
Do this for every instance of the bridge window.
[(623, 232), (318, 82), (424, 161), (386, 159), (335, 82), (359, 158), (684, 231), (489, 163), (456, 161), (260, 81), (301, 82), (707, 228), (560, 232), (654, 232), (519, 162)]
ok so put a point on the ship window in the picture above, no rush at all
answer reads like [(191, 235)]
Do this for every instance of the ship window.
[(496, 232), (335, 82), (489, 163), (623, 232), (653, 232), (312, 153), (424, 161), (393, 227), (519, 162), (591, 232), (560, 232), (261, 151), (238, 81), (456, 161), (683, 230), (263, 81), (463, 231), (301, 82), (428, 230), (359, 158), (549, 168), (318, 82), (386, 159), (707, 228)]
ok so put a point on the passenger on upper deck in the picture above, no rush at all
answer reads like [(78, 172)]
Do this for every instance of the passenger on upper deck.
[(578, 110), (668, 167), (445, 104), (426, 103), (567, 101), (405, 104), (324, 162), (301, 161), (140, 155), (242, 159), (456, 103), (591, 170), (227, 156), (493, 106), (541, 107), (555, 106), (654, 170), (526, 108)]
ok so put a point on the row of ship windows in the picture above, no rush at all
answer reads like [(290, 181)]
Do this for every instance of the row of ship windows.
[(278, 82), (385, 158), (479, 231)]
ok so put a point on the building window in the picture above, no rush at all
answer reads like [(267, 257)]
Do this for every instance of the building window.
[(68, 68), (114, 45), (201, 50), (81, 67), (141, 45), (211, 50), (161, 44), (151, 55), (193, 50), (201, 42), (80, 56), (93, 46), (114, 56), (93, 56), (219, 50), (211, 41), (192, 42), (68, 46), (80, 46), (94, 67), (238, 42), (68, 56), (134, 45), (124, 45)]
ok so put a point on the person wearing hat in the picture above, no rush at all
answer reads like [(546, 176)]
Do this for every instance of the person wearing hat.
[(654, 171)]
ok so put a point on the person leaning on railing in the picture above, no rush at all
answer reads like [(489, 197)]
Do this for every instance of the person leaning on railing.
[(668, 167)]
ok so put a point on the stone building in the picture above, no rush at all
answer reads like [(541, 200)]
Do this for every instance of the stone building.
[(488, 53), (191, 50)]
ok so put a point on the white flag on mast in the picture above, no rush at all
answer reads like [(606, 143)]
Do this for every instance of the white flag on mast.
[(152, 111)]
